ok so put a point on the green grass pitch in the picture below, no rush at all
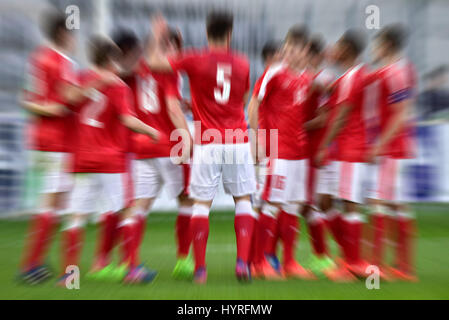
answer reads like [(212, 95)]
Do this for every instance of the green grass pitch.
[(158, 251)]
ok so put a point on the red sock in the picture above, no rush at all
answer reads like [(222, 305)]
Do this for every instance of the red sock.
[(316, 230), (335, 223), (273, 240), (140, 224), (183, 235), (243, 226), (39, 238), (288, 230), (378, 224), (127, 231), (406, 229), (71, 246), (352, 235), (200, 232), (254, 242), (267, 230), (107, 237)]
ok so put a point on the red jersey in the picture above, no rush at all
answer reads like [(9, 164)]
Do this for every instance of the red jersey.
[(48, 71), (101, 140), (316, 100), (396, 84), (350, 90), (284, 94), (151, 89), (219, 80), (256, 90)]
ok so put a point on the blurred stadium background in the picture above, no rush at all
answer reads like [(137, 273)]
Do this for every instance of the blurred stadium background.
[(426, 178), (257, 21)]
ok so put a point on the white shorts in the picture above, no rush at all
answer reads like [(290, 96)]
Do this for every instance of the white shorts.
[(384, 179), (261, 174), (150, 175), (231, 162), (350, 181), (52, 167), (286, 181), (110, 190), (327, 179)]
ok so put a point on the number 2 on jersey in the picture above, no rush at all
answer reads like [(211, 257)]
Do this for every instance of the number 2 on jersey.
[(223, 91)]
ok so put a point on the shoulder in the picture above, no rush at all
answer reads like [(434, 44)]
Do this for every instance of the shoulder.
[(240, 58)]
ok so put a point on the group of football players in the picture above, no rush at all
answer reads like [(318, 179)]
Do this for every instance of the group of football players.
[(107, 139)]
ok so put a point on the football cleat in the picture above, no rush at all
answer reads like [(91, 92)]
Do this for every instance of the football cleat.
[(140, 275), (403, 275), (268, 273), (339, 274), (242, 271), (295, 270), (200, 276), (184, 269), (36, 275), (274, 262), (319, 264)]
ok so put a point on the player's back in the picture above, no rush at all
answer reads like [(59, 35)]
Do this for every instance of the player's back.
[(397, 84), (219, 80), (48, 71), (101, 140)]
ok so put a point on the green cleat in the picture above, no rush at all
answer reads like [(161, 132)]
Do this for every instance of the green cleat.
[(110, 273), (318, 265), (184, 269)]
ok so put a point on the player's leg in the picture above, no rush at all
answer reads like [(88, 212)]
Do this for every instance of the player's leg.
[(350, 191), (256, 253), (176, 179), (314, 218), (404, 225), (56, 183), (205, 177), (147, 179), (81, 202), (114, 188), (239, 180), (72, 236), (273, 196), (244, 222)]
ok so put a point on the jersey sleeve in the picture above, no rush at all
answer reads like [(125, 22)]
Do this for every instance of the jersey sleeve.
[(36, 81), (347, 89), (185, 62), (268, 82), (398, 88)]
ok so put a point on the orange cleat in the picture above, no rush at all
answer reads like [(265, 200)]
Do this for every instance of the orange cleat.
[(295, 270), (340, 274), (256, 272), (403, 275), (359, 269), (268, 273)]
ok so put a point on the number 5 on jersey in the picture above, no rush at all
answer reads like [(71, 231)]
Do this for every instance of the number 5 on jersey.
[(223, 90)]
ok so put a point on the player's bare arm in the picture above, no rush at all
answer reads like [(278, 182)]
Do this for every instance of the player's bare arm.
[(179, 121), (75, 94), (138, 126), (253, 118), (44, 109), (156, 57)]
